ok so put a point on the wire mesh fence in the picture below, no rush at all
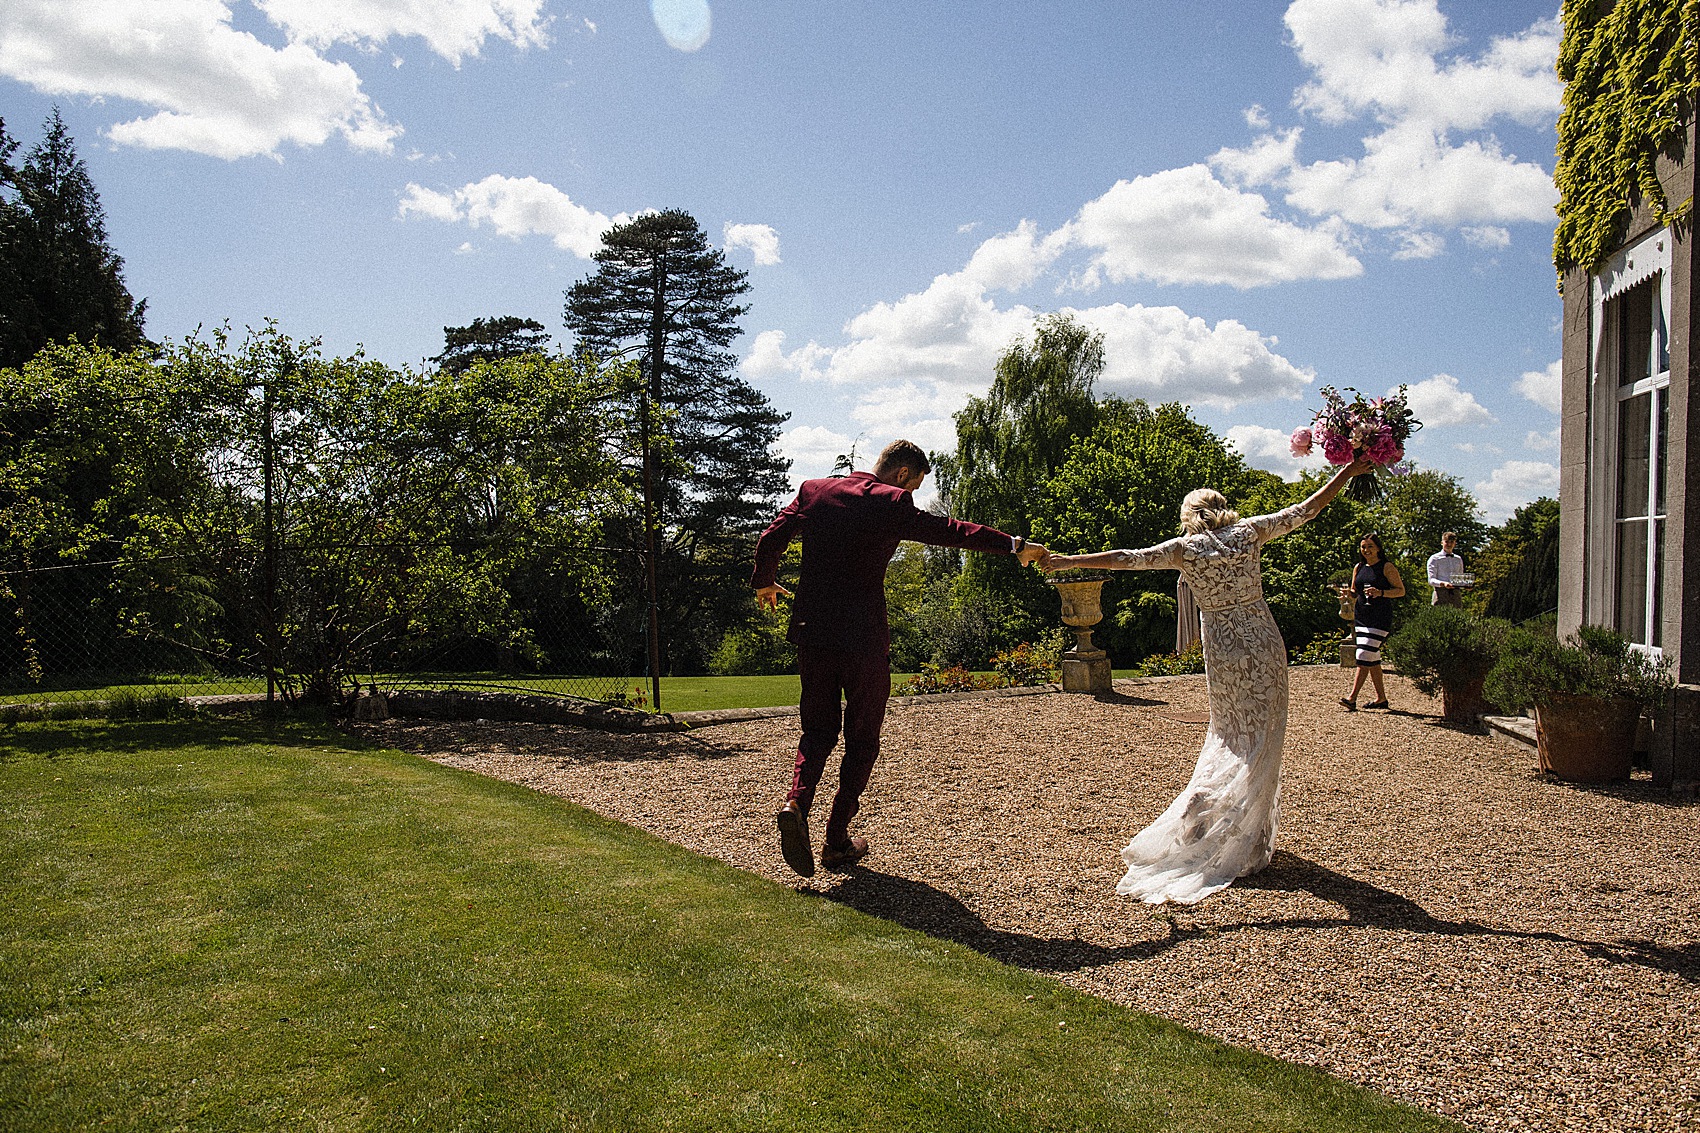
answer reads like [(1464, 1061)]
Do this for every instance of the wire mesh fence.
[(313, 623)]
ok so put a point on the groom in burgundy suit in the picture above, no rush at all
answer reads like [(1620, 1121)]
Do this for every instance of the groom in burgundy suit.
[(850, 527)]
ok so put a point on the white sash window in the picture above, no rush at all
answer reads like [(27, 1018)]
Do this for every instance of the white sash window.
[(1630, 391)]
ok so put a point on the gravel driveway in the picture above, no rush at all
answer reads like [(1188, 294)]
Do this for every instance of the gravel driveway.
[(1440, 922)]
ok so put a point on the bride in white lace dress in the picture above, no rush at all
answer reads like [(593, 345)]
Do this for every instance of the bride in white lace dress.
[(1223, 825)]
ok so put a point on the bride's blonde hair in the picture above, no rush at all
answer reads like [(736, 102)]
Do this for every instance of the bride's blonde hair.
[(1206, 509)]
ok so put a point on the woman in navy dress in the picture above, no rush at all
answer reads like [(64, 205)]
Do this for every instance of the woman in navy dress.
[(1375, 583)]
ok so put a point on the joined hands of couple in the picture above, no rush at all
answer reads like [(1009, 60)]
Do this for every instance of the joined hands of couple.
[(768, 596)]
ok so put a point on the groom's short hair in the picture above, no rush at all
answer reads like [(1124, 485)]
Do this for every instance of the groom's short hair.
[(903, 454)]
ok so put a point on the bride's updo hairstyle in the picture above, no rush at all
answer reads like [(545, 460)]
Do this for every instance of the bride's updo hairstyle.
[(1206, 509)]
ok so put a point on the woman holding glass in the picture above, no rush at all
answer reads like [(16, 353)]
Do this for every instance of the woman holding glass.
[(1375, 583)]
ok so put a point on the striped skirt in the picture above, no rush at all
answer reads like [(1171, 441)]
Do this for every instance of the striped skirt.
[(1369, 644)]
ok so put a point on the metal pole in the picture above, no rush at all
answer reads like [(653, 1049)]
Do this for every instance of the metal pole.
[(270, 543), (654, 644), (651, 398)]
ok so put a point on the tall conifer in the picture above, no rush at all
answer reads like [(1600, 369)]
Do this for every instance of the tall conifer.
[(662, 295), (58, 275)]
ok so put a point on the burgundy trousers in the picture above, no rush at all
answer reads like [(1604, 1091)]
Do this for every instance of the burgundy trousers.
[(863, 679)]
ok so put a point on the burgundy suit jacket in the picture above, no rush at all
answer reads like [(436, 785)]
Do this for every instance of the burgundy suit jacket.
[(850, 527)]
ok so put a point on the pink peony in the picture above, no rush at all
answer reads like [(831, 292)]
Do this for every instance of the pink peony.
[(1382, 448), (1300, 442), (1337, 449)]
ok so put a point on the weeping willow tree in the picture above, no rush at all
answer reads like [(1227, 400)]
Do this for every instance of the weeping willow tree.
[(1009, 444), (1011, 441)]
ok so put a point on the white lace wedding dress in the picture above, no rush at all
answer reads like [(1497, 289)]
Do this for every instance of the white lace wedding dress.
[(1223, 825)]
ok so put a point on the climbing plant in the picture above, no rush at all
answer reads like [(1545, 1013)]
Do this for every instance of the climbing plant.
[(1630, 70)]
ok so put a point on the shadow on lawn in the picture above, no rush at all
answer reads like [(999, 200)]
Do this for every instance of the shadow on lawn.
[(53, 739), (922, 907)]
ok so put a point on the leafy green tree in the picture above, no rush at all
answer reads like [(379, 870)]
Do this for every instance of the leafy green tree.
[(1517, 571), (489, 340), (1411, 515), (1122, 486), (663, 296), (91, 444), (88, 440), (59, 278)]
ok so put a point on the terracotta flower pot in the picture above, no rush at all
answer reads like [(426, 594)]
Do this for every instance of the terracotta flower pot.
[(1585, 739), (1461, 705)]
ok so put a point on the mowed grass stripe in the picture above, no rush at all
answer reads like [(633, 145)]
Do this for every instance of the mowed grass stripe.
[(225, 926)]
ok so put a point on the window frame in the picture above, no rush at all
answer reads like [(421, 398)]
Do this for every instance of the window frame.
[(1644, 260)]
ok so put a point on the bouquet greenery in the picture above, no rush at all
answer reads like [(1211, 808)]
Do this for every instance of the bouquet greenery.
[(1373, 429)]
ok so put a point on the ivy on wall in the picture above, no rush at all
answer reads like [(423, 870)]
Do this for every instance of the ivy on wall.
[(1630, 70)]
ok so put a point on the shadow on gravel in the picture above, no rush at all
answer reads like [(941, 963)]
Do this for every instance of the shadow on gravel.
[(1110, 696), (1635, 791), (565, 743), (924, 908), (919, 906)]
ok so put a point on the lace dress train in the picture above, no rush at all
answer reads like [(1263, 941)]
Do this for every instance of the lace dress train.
[(1222, 826)]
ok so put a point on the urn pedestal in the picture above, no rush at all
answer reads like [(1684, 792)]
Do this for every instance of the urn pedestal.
[(1085, 667)]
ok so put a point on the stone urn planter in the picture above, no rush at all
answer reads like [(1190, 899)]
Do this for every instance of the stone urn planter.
[(1085, 667), (1587, 739)]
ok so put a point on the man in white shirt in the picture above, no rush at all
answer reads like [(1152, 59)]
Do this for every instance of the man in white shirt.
[(1443, 570)]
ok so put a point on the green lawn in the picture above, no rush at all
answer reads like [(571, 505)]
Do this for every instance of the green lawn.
[(691, 694), (678, 694), (213, 925)]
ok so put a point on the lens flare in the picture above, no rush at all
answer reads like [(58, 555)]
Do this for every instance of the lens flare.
[(684, 24)]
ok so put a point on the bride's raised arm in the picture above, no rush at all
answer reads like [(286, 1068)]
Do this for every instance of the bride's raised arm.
[(1278, 523)]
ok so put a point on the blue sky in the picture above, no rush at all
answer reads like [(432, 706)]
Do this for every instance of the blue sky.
[(1249, 199)]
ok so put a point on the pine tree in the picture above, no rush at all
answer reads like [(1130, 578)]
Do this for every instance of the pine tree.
[(58, 275), (487, 340), (663, 296)]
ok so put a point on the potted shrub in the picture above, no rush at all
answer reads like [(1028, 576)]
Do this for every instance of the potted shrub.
[(1588, 693), (1447, 651)]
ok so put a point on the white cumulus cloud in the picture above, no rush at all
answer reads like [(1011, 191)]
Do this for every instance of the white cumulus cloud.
[(215, 90), (1543, 386), (1163, 353), (514, 207), (1383, 57), (1513, 484), (1186, 226), (920, 357), (1439, 401), (1267, 449), (211, 89), (451, 28), (1419, 245), (1409, 175), (760, 239), (1487, 236), (1390, 61), (812, 450)]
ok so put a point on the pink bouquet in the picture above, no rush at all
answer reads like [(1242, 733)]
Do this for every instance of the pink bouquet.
[(1374, 429)]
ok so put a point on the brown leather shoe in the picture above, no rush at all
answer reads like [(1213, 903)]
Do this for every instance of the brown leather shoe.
[(840, 858), (794, 840)]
